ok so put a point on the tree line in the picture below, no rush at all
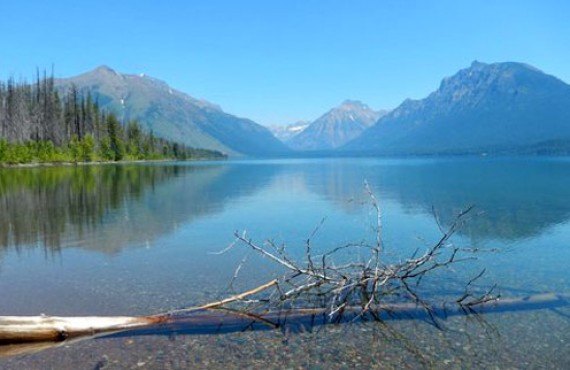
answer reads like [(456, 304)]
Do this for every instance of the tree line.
[(39, 123)]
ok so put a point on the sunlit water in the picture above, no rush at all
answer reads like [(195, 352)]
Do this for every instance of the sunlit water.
[(138, 239)]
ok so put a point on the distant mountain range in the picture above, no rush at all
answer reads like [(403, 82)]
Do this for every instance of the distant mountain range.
[(486, 108), (336, 127), (174, 115)]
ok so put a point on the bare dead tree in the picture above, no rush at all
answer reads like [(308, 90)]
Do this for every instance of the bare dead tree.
[(320, 282)]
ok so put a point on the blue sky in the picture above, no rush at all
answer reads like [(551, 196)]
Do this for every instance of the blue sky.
[(281, 61)]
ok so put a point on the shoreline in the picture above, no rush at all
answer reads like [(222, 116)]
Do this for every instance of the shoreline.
[(95, 163)]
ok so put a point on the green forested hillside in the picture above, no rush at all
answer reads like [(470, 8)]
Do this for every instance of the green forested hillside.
[(39, 124), (172, 114)]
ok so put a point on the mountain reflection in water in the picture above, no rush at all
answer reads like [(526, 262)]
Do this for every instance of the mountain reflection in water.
[(110, 207)]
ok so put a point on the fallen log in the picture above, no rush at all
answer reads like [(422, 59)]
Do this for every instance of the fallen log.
[(23, 335), (22, 329), (221, 320), (26, 329)]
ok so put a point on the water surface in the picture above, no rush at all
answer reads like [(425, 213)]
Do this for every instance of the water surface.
[(137, 239)]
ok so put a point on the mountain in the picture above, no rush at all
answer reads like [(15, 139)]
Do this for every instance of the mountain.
[(336, 127), (499, 107), (284, 133), (174, 115)]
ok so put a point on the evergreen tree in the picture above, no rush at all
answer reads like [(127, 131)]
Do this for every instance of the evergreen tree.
[(114, 132)]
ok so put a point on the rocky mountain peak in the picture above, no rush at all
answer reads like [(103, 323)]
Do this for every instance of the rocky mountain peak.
[(483, 106), (105, 70), (172, 114), (336, 127)]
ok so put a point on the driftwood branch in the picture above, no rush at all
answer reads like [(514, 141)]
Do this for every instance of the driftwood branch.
[(318, 282), (314, 291), (39, 333)]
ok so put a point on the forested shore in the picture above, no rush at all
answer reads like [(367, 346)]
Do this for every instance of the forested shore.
[(39, 124)]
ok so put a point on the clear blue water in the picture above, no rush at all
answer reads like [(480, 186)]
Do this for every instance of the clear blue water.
[(137, 239)]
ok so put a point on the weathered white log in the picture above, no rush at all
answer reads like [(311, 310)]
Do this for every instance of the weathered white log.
[(23, 335), (30, 329), (22, 329)]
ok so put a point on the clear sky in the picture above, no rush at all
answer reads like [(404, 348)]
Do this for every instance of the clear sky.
[(281, 61)]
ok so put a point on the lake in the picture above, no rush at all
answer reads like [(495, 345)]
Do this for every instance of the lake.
[(136, 239)]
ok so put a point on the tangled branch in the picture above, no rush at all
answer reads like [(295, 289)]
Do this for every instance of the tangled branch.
[(367, 284)]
